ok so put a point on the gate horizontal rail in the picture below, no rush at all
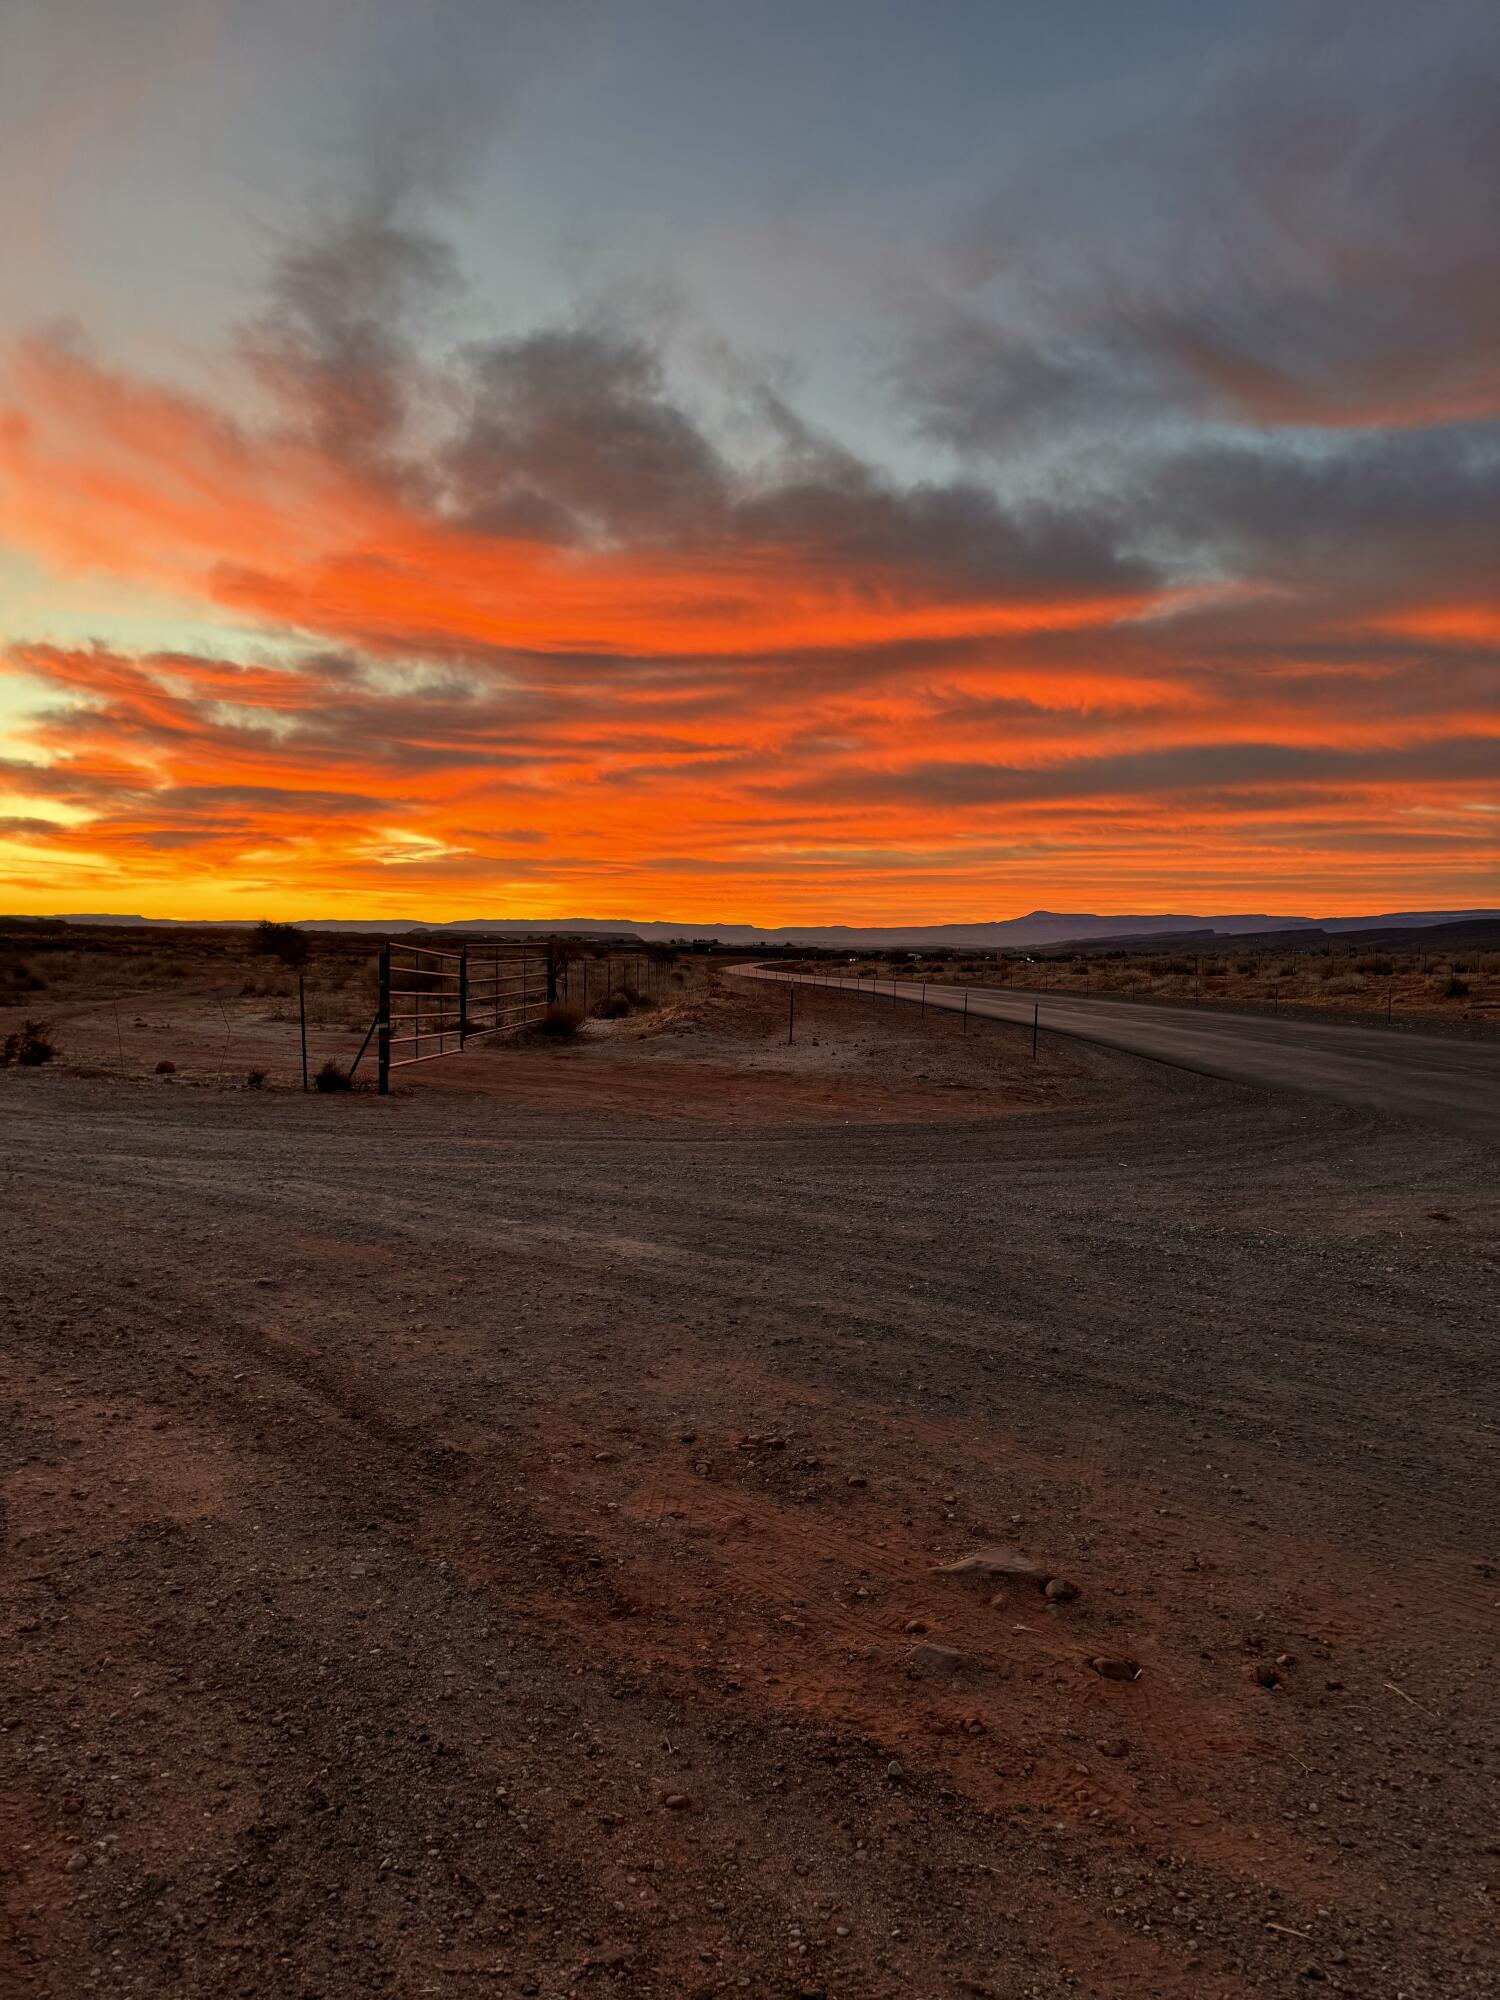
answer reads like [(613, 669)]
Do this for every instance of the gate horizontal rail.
[(432, 1002)]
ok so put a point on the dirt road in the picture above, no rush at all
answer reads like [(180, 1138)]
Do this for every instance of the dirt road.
[(1446, 1080), (486, 1540)]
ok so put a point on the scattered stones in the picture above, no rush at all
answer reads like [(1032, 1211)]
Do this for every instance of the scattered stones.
[(1060, 1590), (76, 1862), (677, 1802), (915, 1625), (1112, 1746), (896, 1771), (935, 1659), (1112, 1667), (1265, 1675), (856, 1479), (998, 1565)]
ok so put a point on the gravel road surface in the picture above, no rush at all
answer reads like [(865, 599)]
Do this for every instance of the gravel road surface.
[(491, 1540), (1443, 1079)]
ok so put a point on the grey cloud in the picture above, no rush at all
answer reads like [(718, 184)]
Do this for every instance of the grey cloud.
[(571, 435), (1302, 236), (1180, 770)]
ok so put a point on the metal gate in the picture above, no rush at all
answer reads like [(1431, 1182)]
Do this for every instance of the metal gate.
[(432, 1002)]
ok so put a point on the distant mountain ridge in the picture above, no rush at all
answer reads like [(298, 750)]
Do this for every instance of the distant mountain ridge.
[(1038, 928)]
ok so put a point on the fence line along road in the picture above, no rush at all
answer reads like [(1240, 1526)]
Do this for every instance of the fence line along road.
[(1445, 1080)]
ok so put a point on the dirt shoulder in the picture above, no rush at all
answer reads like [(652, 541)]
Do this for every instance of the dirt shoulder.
[(489, 1538)]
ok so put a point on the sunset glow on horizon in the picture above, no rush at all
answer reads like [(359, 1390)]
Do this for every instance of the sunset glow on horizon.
[(461, 518)]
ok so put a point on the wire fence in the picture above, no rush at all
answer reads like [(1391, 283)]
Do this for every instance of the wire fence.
[(317, 1033), (221, 1037)]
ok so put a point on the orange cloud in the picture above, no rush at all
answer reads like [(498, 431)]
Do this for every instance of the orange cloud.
[(801, 696)]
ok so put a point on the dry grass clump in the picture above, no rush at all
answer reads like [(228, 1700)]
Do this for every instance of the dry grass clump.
[(332, 1076)]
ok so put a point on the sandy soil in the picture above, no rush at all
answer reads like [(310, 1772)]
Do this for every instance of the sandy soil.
[(488, 1539)]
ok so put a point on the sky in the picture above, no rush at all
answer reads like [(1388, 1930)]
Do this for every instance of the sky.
[(876, 461)]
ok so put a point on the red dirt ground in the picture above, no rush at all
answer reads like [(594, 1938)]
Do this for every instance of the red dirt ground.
[(488, 1539)]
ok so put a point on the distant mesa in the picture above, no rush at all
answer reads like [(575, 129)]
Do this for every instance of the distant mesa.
[(1042, 928)]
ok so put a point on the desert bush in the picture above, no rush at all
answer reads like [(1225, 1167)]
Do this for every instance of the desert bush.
[(332, 1077), (1376, 963), (1179, 965), (283, 941), (1289, 970), (1343, 985), (1456, 989), (255, 1079), (1247, 968), (19, 978), (560, 1023), (613, 1007), (166, 1067), (27, 1047)]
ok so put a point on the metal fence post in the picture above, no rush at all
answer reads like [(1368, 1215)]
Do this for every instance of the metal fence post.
[(551, 975), (383, 1045), (463, 995), (302, 1023), (1035, 1011), (966, 1010), (791, 1011)]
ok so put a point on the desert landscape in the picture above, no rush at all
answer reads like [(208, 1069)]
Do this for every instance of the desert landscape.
[(1444, 986), (667, 1511)]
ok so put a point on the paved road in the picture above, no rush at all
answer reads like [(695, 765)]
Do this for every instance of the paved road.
[(1444, 1079)]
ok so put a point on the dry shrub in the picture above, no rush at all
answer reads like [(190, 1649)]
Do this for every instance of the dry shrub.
[(255, 1079), (283, 941), (18, 978), (332, 1077), (560, 1023), (613, 1007), (29, 1048), (166, 1067), (1456, 989)]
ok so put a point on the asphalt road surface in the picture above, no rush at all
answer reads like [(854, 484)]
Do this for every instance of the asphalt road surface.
[(1447, 1080)]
